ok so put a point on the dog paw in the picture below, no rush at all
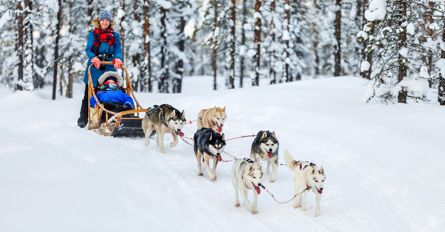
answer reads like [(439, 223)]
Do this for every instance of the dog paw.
[(213, 178), (254, 211), (173, 144), (297, 206), (237, 204), (272, 180), (200, 174)]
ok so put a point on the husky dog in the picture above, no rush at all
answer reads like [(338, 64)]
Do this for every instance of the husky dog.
[(208, 145), (163, 119), (308, 176), (246, 175), (265, 147), (212, 118)]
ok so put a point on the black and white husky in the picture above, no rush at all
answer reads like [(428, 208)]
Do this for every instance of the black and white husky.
[(208, 145), (246, 175), (265, 147)]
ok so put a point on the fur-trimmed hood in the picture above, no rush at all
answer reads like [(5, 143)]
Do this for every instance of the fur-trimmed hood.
[(106, 75), (95, 23)]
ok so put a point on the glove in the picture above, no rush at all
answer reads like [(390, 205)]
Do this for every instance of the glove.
[(117, 63), (96, 62)]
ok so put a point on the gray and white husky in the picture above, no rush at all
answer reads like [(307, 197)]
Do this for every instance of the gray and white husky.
[(163, 119), (246, 175), (208, 145), (265, 147), (308, 176)]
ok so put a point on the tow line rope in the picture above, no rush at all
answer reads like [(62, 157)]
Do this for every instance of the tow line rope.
[(240, 137), (283, 202)]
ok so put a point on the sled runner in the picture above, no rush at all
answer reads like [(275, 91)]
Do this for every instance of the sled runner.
[(111, 119)]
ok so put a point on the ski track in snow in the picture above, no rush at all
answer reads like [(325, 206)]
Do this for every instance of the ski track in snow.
[(57, 177)]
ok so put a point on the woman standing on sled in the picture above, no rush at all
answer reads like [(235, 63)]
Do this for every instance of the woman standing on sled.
[(103, 44)]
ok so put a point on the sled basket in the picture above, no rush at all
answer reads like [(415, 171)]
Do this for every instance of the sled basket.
[(126, 123)]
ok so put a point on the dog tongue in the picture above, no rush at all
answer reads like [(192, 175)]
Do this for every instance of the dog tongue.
[(218, 157), (219, 129), (269, 154), (181, 134), (257, 189), (320, 191)]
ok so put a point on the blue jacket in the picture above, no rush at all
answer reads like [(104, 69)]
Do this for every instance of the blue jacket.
[(104, 48), (113, 96)]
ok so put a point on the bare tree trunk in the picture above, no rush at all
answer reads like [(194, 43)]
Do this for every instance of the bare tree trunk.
[(56, 48), (69, 86), (90, 9), (243, 44), (314, 28), (272, 71), (441, 92), (231, 84), (401, 43), (163, 84), (147, 47), (177, 82), (215, 45), (136, 58), (337, 34), (257, 43), (122, 28), (429, 32), (367, 52), (286, 73), (28, 43), (19, 46)]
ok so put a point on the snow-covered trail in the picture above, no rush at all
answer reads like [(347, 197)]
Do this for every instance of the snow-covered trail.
[(383, 164)]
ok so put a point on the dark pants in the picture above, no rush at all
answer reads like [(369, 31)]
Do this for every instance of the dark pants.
[(84, 107)]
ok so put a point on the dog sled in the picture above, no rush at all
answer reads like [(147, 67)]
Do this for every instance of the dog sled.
[(112, 119)]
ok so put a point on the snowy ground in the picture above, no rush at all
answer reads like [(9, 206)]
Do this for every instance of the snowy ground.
[(384, 164)]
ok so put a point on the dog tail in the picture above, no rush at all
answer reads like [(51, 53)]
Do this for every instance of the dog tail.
[(291, 163)]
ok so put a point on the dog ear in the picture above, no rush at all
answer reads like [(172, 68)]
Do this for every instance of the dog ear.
[(321, 170), (211, 134), (174, 113), (183, 115), (224, 109), (274, 135), (264, 135), (223, 137)]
